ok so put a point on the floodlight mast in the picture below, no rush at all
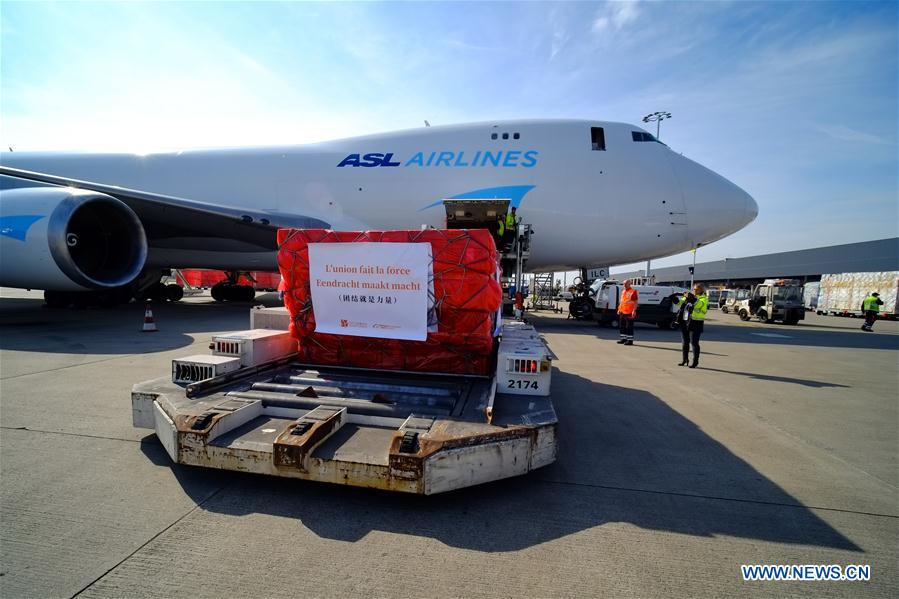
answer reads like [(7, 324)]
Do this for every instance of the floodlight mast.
[(657, 117)]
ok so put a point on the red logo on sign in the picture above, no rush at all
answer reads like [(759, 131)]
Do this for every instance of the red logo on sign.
[(344, 323)]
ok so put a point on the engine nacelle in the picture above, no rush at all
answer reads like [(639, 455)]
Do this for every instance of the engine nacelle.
[(62, 238)]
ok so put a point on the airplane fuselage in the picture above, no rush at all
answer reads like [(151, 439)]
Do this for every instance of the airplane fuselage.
[(626, 201)]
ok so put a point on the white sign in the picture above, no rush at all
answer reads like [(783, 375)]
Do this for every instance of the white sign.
[(371, 289), (598, 273)]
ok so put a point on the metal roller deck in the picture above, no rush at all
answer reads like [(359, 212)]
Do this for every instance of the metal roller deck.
[(399, 431)]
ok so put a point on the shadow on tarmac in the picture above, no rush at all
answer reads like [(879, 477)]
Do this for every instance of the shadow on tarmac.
[(29, 326), (624, 456), (725, 332), (678, 349), (777, 379)]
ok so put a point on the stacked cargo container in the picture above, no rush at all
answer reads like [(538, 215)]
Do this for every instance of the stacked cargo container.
[(843, 294), (466, 298)]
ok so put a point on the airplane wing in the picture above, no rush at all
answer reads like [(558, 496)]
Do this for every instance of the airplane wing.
[(170, 217)]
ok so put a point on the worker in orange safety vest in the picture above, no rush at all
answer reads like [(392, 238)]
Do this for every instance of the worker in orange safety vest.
[(627, 312)]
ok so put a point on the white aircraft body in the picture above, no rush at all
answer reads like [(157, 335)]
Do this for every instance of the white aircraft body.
[(595, 193)]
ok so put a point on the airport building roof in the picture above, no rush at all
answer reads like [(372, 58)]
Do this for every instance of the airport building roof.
[(866, 256)]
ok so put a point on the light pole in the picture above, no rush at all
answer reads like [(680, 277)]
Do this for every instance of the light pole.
[(658, 117), (693, 268)]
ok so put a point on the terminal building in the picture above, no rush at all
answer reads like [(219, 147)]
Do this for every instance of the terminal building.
[(805, 265)]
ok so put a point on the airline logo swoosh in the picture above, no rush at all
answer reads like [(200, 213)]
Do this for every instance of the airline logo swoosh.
[(514, 193), (17, 226)]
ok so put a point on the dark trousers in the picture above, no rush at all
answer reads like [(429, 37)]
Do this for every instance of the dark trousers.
[(690, 334), (870, 318), (626, 327), (509, 238)]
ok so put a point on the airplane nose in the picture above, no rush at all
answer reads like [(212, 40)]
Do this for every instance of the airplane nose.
[(715, 207), (752, 209)]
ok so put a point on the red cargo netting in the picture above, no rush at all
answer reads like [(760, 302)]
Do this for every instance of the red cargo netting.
[(260, 280), (466, 299)]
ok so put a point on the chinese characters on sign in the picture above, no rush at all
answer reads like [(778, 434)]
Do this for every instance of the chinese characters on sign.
[(371, 289), (369, 299)]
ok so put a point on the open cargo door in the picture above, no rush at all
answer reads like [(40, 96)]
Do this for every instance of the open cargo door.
[(474, 214)]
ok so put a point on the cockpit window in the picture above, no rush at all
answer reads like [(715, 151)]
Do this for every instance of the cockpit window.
[(642, 136), (597, 138)]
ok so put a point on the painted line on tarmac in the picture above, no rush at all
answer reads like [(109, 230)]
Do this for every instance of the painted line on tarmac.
[(70, 434), (196, 507), (716, 498)]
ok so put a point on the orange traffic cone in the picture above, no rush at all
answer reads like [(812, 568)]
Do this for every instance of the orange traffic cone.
[(149, 322)]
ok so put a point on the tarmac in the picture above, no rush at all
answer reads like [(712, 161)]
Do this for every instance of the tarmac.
[(781, 448)]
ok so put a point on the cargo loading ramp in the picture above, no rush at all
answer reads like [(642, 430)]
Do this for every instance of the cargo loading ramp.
[(399, 431)]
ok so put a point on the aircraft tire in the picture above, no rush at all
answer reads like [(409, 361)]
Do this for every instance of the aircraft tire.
[(219, 292), (580, 308), (174, 292), (157, 292)]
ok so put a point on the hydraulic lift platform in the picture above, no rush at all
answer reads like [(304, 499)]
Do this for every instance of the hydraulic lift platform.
[(420, 433), (252, 407)]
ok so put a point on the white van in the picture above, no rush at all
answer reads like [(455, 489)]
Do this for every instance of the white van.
[(654, 303)]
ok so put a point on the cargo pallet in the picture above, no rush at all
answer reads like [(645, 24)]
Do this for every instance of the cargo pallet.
[(252, 407)]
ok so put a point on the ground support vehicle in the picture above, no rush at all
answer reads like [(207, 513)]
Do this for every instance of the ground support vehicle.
[(732, 300), (773, 300), (229, 286), (843, 294), (253, 407), (655, 303), (544, 294), (580, 304)]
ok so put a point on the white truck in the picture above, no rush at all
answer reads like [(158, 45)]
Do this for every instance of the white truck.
[(773, 300), (843, 294), (655, 304)]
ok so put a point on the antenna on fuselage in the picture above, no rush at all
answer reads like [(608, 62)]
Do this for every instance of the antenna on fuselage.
[(427, 124)]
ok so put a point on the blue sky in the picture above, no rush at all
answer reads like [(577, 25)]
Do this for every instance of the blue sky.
[(795, 102)]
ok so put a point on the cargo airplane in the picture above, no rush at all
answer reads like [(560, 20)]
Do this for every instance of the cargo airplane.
[(594, 192)]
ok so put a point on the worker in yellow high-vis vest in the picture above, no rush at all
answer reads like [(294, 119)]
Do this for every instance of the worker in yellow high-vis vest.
[(691, 317), (511, 226), (500, 231), (871, 307)]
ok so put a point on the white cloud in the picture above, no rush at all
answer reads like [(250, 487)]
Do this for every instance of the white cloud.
[(559, 39), (616, 15), (843, 133)]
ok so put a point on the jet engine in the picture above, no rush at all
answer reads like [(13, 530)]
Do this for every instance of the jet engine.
[(68, 239)]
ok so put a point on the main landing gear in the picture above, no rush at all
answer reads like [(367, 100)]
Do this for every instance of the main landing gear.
[(230, 290)]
